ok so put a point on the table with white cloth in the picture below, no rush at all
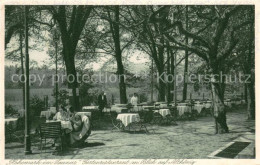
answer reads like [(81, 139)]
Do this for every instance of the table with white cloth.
[(11, 122), (147, 107), (21, 112), (182, 109), (10, 128), (84, 113), (207, 105), (198, 107), (128, 118), (163, 112), (227, 103), (118, 109), (164, 105), (46, 114), (90, 108)]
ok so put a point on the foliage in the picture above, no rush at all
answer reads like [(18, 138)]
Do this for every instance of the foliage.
[(143, 97), (9, 109), (63, 95), (36, 106), (87, 97)]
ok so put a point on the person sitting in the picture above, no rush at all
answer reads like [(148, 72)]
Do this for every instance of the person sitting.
[(80, 132), (61, 115), (76, 123)]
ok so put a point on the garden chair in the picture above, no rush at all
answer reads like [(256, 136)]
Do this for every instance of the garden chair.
[(51, 130), (142, 123), (117, 124), (170, 119), (15, 132), (157, 118)]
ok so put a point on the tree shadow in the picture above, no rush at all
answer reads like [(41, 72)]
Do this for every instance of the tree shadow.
[(94, 144), (14, 146)]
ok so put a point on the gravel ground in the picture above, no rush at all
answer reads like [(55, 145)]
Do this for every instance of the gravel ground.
[(189, 139)]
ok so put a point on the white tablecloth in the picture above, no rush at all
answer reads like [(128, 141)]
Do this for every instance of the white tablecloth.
[(163, 105), (182, 109), (207, 105), (128, 118), (116, 109), (227, 103), (46, 114), (198, 107), (163, 112), (11, 121), (147, 107), (84, 113), (182, 104), (91, 108)]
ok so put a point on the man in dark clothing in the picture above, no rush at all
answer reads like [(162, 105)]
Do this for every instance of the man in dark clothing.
[(102, 102)]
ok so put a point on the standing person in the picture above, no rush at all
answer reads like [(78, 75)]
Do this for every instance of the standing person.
[(134, 102), (102, 102)]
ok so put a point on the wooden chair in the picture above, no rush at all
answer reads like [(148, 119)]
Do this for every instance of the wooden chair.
[(50, 130)]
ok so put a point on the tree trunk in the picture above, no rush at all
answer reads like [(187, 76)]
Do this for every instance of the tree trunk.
[(245, 91), (71, 76), (122, 87), (172, 73), (118, 54), (162, 83), (170, 78), (219, 108), (250, 101), (161, 86), (249, 71), (184, 94)]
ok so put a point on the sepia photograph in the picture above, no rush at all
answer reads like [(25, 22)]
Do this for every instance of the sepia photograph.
[(129, 82)]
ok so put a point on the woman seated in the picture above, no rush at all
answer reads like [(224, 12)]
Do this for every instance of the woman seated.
[(81, 130), (76, 123), (61, 115)]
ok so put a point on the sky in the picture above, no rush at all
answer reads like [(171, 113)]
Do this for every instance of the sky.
[(42, 57)]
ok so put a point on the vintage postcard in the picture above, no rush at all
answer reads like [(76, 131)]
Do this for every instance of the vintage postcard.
[(136, 82)]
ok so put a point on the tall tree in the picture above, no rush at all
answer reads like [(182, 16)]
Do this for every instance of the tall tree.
[(115, 30), (71, 21), (211, 45)]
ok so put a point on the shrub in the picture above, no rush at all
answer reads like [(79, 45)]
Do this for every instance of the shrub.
[(63, 95), (9, 109), (36, 106)]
